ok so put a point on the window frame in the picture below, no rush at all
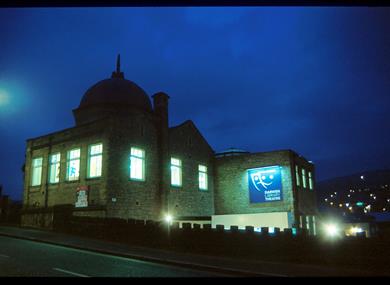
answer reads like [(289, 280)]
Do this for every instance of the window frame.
[(143, 161), (205, 172), (307, 223), (314, 225), (54, 164), (180, 169), (68, 160), (311, 185), (90, 156), (297, 176), (304, 184), (33, 169)]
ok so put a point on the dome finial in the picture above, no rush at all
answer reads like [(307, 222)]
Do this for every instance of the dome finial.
[(118, 73)]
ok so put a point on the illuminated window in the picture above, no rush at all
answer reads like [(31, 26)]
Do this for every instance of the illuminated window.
[(202, 177), (73, 165), (54, 169), (308, 223), (310, 181), (95, 155), (314, 225), (36, 174), (297, 175), (175, 172), (137, 164), (303, 178)]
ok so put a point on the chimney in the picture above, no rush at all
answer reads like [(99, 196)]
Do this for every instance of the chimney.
[(160, 104)]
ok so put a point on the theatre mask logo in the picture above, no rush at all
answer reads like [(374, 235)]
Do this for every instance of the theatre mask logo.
[(265, 184)]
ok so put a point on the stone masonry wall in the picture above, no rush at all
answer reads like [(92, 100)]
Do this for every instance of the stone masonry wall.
[(64, 192), (306, 197), (187, 144), (130, 198), (231, 183)]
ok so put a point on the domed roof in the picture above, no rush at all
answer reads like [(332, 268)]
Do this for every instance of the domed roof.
[(116, 90), (231, 152)]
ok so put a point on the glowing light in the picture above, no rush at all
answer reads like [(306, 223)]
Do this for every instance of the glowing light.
[(13, 98), (359, 203), (332, 230), (168, 218), (4, 98), (294, 231), (362, 177), (355, 230)]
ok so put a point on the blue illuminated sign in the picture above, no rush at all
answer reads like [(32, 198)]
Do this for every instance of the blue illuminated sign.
[(265, 184)]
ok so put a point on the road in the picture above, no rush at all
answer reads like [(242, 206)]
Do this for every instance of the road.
[(28, 258)]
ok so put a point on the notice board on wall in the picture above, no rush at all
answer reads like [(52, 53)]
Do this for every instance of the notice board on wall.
[(82, 197)]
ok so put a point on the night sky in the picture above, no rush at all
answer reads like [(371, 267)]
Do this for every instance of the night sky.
[(315, 80)]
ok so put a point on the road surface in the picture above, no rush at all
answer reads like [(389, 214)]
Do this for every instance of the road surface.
[(28, 258)]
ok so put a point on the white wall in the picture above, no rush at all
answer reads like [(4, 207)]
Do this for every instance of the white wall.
[(201, 223), (275, 219)]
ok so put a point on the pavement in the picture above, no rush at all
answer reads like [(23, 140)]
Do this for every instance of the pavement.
[(217, 265)]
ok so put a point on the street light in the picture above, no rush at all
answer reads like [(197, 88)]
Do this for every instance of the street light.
[(168, 219), (332, 230)]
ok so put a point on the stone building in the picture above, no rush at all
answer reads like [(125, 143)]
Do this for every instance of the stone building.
[(121, 159), (294, 207)]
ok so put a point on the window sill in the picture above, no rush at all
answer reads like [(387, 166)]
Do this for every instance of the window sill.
[(92, 178), (136, 180), (72, 181), (35, 188)]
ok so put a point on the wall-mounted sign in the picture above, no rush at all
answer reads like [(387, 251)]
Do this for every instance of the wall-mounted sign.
[(81, 197), (265, 184)]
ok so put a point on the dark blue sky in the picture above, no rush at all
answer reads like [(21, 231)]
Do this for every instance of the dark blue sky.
[(315, 80)]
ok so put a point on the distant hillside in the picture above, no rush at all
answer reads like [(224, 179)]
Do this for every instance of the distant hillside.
[(371, 179), (370, 189)]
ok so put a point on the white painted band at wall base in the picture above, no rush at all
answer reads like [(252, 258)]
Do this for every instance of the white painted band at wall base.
[(275, 219)]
